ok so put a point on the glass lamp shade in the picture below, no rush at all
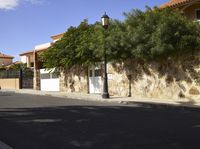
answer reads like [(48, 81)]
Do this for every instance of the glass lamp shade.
[(105, 20)]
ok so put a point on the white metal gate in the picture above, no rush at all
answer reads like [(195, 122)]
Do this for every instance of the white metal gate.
[(95, 80), (49, 81)]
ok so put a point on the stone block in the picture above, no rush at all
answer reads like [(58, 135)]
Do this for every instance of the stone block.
[(194, 91)]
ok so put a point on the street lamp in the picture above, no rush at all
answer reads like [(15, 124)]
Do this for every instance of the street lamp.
[(105, 20), (105, 24)]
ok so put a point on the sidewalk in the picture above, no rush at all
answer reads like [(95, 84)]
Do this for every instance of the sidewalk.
[(97, 97)]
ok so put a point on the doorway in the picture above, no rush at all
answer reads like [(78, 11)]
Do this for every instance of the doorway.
[(95, 80)]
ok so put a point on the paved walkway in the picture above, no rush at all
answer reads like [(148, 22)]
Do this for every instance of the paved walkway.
[(97, 97)]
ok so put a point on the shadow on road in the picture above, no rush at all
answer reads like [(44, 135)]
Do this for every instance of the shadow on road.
[(143, 126)]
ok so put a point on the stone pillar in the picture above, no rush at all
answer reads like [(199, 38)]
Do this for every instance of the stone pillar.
[(62, 81), (36, 79)]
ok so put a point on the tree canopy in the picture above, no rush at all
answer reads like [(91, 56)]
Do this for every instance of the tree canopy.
[(152, 34), (159, 33)]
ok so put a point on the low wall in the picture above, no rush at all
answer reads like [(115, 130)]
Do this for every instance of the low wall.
[(9, 83), (74, 80), (173, 78), (170, 79)]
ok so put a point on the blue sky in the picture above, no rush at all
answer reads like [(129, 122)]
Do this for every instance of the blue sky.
[(26, 23)]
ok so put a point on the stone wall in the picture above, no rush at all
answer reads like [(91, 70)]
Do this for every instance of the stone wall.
[(74, 80), (174, 78), (36, 79), (117, 81)]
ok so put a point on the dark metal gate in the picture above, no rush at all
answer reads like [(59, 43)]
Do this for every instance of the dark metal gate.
[(5, 74), (26, 77)]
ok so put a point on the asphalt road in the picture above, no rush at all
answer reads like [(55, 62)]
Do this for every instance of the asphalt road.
[(42, 122)]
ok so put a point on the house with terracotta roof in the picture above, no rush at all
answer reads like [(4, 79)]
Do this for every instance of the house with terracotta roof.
[(5, 60), (28, 56), (14, 63), (189, 8), (48, 79)]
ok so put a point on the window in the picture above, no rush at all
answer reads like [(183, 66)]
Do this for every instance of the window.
[(90, 74), (32, 64), (198, 15), (45, 76), (97, 72), (49, 76)]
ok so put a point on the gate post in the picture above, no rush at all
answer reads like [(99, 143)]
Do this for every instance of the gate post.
[(20, 79), (36, 79)]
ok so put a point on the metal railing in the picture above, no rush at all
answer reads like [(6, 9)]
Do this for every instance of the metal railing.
[(9, 74)]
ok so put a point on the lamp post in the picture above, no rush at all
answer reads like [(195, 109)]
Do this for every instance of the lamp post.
[(105, 24)]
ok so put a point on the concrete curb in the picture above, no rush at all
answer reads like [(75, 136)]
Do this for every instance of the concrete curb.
[(92, 97)]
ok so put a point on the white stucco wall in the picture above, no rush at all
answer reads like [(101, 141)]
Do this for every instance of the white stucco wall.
[(23, 59), (42, 46), (27, 59)]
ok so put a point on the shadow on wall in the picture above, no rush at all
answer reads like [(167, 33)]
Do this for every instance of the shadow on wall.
[(174, 71), (116, 127)]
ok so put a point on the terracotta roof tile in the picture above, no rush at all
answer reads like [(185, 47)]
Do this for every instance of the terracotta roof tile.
[(27, 52), (15, 63), (54, 37), (175, 3), (32, 51), (6, 56), (42, 49)]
